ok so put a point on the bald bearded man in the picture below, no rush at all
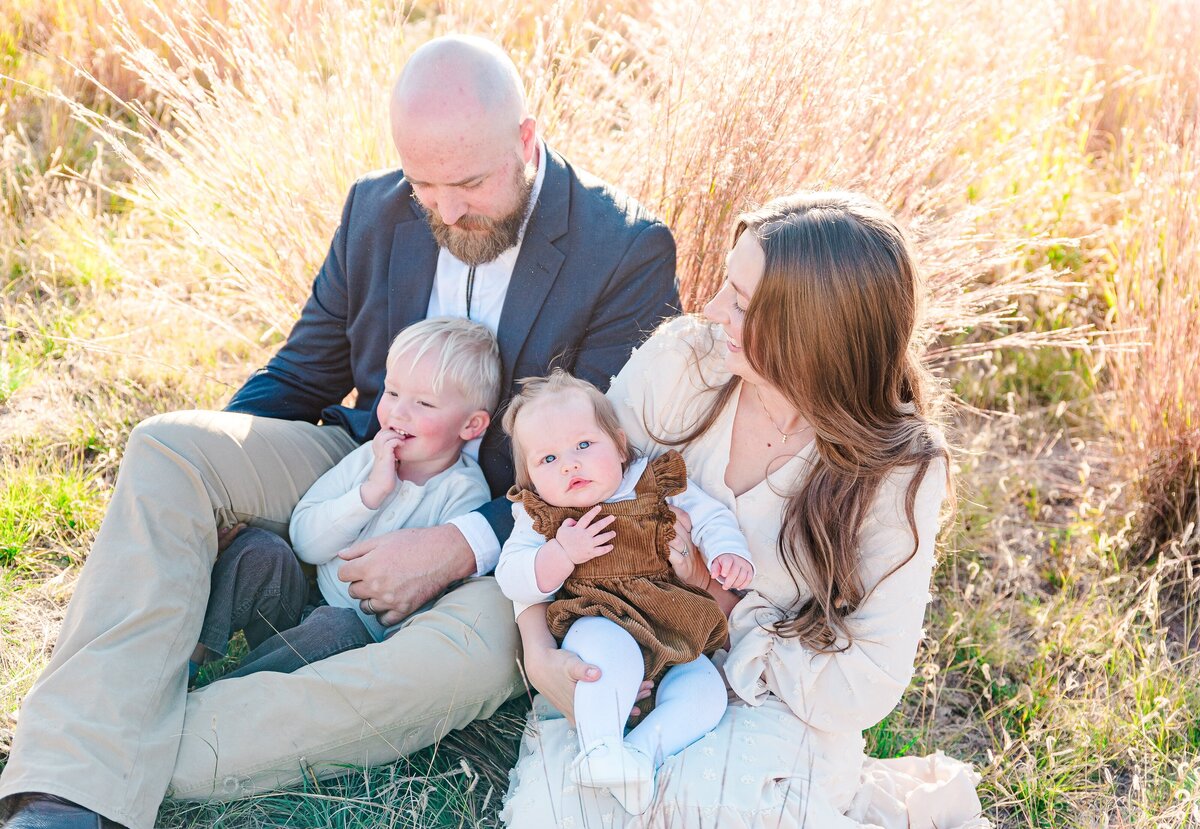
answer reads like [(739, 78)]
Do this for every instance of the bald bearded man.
[(483, 220)]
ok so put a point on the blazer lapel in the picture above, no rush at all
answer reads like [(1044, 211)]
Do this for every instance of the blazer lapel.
[(537, 265), (411, 270)]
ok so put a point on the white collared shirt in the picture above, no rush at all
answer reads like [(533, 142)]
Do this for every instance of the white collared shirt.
[(449, 298), (449, 295)]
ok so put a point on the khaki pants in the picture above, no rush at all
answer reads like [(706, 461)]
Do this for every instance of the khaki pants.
[(110, 725)]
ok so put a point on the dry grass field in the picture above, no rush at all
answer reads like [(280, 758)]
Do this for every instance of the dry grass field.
[(171, 173)]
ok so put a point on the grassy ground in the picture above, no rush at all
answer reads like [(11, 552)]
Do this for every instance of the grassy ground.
[(170, 176)]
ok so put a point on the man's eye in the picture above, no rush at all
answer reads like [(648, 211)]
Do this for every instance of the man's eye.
[(550, 459), (584, 444)]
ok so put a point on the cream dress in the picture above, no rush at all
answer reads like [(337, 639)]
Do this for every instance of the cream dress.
[(789, 750)]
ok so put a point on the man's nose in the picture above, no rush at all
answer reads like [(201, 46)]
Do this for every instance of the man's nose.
[(451, 209)]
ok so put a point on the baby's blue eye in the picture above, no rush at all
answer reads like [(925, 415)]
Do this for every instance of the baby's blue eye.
[(584, 444), (549, 459)]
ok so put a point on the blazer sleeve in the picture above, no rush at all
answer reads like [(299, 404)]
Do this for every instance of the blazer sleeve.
[(641, 294), (312, 369)]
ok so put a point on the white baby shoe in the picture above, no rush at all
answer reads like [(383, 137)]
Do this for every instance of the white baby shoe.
[(626, 772)]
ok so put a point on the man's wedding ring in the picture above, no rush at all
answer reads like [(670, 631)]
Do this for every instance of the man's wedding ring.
[(367, 606)]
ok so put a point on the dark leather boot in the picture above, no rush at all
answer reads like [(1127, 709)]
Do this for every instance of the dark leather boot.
[(45, 811)]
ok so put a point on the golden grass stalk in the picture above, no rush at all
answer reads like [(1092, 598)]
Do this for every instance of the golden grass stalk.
[(1155, 253), (239, 166)]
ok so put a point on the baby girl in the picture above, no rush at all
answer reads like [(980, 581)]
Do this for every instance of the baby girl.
[(592, 525)]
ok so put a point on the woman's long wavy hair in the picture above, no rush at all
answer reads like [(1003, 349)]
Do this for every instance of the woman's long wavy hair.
[(831, 327)]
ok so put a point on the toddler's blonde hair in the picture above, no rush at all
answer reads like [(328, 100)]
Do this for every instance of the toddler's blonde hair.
[(469, 356), (558, 382)]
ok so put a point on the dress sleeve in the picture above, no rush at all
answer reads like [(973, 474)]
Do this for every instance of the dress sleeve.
[(331, 514), (664, 384), (856, 687), (514, 572)]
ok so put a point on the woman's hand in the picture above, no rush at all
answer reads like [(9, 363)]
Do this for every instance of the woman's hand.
[(690, 566), (685, 558), (554, 672)]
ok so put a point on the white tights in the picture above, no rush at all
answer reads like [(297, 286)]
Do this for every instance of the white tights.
[(689, 703)]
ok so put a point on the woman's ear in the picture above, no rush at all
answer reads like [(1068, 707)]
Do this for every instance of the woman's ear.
[(476, 425)]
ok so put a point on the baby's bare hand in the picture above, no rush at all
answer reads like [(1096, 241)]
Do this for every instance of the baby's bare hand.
[(585, 539), (732, 571)]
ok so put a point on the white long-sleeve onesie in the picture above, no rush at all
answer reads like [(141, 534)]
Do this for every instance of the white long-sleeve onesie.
[(714, 530)]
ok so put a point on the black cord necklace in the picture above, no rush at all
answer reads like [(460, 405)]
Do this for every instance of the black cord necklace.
[(470, 289)]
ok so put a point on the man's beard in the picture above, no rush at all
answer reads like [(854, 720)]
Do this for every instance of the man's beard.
[(475, 240)]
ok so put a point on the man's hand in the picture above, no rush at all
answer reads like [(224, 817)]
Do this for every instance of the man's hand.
[(584, 540), (395, 573), (382, 478)]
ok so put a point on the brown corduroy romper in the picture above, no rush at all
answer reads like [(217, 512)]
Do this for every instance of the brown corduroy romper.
[(634, 585)]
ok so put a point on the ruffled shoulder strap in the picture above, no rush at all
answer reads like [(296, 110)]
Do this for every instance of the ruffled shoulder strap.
[(667, 474), (546, 518)]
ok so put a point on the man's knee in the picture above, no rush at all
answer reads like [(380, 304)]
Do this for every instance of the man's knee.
[(178, 430), (479, 619)]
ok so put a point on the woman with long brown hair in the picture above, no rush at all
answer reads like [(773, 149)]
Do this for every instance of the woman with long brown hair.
[(801, 403)]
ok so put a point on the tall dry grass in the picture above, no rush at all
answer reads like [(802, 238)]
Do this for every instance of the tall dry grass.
[(697, 124), (1155, 251), (154, 249), (1148, 131)]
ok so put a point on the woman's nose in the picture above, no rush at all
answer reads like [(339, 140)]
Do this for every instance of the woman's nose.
[(712, 308)]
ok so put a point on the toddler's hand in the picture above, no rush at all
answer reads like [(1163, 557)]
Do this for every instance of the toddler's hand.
[(584, 540), (382, 478), (732, 571)]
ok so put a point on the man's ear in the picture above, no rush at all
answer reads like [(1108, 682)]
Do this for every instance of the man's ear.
[(528, 132), (476, 425)]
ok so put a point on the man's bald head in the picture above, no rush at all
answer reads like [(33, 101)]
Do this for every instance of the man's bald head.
[(467, 146), (460, 78)]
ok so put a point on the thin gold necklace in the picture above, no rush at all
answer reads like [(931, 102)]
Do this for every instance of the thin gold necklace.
[(770, 417)]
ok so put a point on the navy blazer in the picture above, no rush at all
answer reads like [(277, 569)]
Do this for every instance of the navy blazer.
[(594, 276)]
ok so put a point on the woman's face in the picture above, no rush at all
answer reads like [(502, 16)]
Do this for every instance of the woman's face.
[(744, 267)]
